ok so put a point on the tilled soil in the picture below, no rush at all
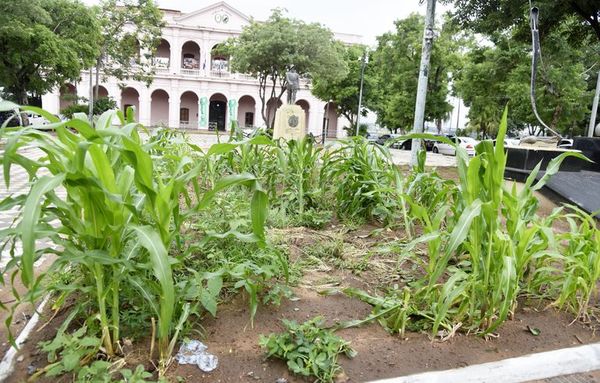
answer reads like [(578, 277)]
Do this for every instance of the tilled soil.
[(231, 337)]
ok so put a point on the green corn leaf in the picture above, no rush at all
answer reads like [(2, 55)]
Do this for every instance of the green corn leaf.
[(258, 211), (39, 111), (554, 166), (224, 183), (457, 236), (150, 240), (31, 215), (229, 146)]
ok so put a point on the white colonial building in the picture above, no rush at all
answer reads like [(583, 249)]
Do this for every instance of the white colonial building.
[(193, 87)]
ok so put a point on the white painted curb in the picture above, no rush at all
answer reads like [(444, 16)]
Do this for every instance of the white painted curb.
[(543, 365), (8, 362)]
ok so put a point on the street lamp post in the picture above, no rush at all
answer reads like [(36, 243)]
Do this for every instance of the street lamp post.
[(362, 77)]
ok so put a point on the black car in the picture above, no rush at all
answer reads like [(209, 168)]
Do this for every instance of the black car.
[(13, 117)]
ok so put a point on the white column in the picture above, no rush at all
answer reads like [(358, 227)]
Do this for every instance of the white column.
[(205, 53), (318, 113), (145, 104), (83, 86), (257, 116), (341, 122), (174, 103), (51, 101), (175, 58)]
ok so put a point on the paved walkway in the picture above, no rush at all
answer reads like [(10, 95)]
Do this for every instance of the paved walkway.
[(19, 184), (402, 157)]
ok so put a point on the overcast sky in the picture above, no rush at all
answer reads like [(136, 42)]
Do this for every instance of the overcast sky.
[(368, 18)]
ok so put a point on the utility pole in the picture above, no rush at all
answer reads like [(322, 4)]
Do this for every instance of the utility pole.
[(325, 123), (594, 108), (362, 77), (91, 102), (422, 85)]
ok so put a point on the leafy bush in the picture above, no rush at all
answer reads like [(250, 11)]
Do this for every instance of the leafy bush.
[(70, 110), (308, 349), (101, 105)]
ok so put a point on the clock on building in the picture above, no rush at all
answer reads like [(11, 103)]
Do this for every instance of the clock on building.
[(222, 18)]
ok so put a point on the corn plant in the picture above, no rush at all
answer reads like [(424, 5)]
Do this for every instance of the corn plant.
[(481, 241), (569, 271), (363, 177), (117, 222)]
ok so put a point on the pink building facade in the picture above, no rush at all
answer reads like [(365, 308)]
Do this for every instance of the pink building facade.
[(193, 87)]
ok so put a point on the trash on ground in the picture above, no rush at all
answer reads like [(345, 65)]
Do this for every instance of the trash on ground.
[(194, 352)]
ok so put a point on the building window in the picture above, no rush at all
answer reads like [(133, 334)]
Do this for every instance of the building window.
[(190, 61), (249, 119), (184, 115), (220, 64)]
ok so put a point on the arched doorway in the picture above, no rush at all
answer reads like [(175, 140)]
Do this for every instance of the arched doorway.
[(190, 58), (331, 117), (162, 56), (219, 63), (246, 108), (130, 97), (217, 112), (159, 108), (272, 106), (305, 107), (68, 96), (102, 92), (188, 110)]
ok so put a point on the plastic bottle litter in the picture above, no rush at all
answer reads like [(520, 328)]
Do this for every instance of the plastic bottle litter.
[(194, 352)]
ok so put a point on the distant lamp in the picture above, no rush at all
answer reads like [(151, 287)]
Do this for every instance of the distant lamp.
[(365, 61)]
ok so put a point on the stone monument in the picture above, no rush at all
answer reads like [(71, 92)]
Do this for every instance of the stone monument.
[(290, 119)]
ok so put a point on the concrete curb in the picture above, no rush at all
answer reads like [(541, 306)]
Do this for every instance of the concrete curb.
[(542, 365), (8, 362)]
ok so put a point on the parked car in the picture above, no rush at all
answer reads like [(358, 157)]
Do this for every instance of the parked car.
[(13, 117), (371, 137), (384, 138), (466, 142), (36, 119)]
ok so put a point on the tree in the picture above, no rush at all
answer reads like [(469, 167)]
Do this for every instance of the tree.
[(131, 31), (44, 43), (494, 76), (267, 50), (344, 91), (495, 17), (395, 69)]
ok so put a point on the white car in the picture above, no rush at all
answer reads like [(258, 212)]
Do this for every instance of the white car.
[(467, 143), (35, 119)]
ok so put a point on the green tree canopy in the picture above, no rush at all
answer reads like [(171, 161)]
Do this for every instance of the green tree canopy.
[(495, 17), (395, 69), (44, 43), (267, 50), (131, 31), (344, 91), (495, 75)]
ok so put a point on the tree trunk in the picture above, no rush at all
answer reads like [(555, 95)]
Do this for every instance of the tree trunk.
[(22, 98), (98, 63), (556, 116)]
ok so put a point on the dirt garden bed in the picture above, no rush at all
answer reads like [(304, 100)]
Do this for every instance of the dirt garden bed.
[(380, 355)]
